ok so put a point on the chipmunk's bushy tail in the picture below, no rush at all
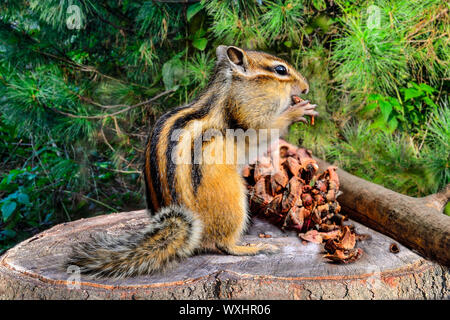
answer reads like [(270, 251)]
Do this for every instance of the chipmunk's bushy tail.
[(174, 233)]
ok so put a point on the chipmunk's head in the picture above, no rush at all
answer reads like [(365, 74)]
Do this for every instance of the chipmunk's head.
[(261, 85)]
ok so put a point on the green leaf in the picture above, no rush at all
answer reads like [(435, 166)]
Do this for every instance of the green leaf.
[(7, 233), (319, 4), (172, 72), (375, 97), (23, 198), (396, 105), (369, 107), (192, 10), (8, 209), (393, 124), (200, 43), (447, 209), (288, 43), (430, 102), (105, 176), (409, 107), (415, 119), (427, 88), (379, 123), (386, 109), (401, 118), (411, 93), (12, 175), (199, 34)]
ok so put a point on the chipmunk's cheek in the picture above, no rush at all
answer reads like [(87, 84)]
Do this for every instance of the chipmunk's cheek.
[(285, 106)]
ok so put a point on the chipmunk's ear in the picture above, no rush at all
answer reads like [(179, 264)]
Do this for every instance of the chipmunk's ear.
[(235, 56)]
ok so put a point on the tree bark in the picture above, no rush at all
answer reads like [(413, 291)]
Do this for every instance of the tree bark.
[(32, 269), (417, 223)]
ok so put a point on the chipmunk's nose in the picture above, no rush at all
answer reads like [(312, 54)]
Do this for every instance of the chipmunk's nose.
[(301, 88)]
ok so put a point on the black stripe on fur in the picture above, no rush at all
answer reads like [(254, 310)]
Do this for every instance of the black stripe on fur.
[(180, 123), (153, 139), (196, 170)]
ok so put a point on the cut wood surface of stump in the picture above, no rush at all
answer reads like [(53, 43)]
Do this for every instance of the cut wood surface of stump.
[(31, 270)]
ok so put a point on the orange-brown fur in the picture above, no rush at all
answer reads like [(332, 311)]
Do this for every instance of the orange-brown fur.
[(245, 93)]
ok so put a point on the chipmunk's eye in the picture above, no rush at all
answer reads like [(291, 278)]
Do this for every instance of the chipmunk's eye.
[(281, 70)]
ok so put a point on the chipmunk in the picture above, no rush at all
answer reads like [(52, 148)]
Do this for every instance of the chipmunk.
[(202, 206)]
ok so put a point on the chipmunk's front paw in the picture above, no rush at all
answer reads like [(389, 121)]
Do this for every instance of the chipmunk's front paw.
[(303, 108)]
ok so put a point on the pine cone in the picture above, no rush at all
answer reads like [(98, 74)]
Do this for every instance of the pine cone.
[(286, 189)]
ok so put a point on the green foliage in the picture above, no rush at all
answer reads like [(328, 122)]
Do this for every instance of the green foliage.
[(157, 19), (389, 160), (235, 22), (48, 185), (409, 113), (76, 77), (447, 209), (369, 59), (395, 160), (283, 20), (436, 146), (387, 47), (19, 209), (199, 69)]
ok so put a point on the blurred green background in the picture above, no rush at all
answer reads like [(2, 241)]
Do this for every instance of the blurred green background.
[(76, 77)]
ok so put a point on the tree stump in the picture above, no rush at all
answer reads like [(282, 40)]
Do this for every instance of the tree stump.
[(31, 270)]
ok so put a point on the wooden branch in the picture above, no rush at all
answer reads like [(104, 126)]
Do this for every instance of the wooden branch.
[(127, 108), (417, 223)]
